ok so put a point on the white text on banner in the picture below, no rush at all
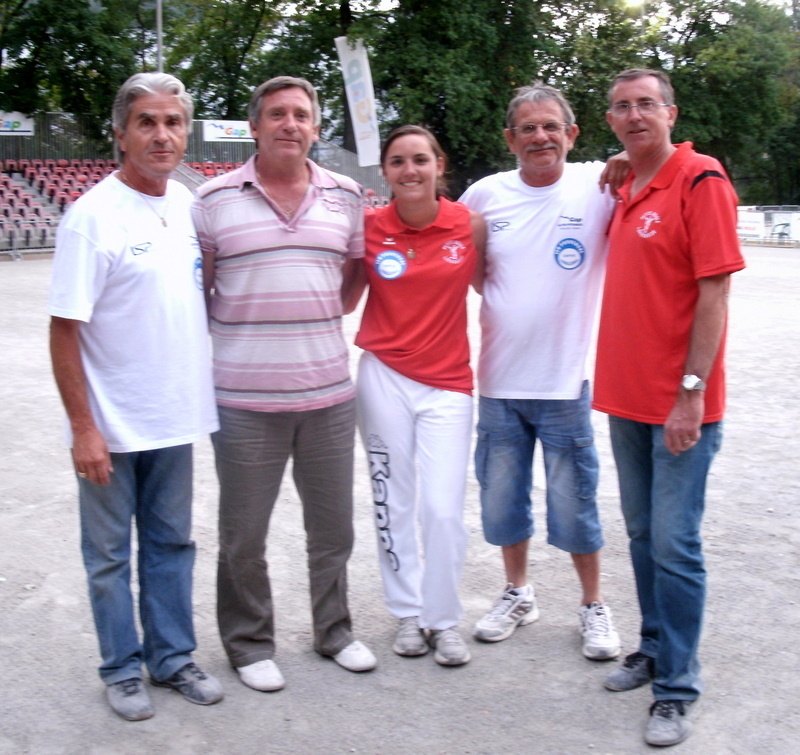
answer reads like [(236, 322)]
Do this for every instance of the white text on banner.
[(360, 99)]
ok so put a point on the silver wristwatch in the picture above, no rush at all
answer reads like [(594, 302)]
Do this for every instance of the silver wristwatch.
[(692, 383)]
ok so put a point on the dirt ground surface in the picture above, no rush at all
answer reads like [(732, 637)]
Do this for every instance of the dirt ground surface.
[(533, 693)]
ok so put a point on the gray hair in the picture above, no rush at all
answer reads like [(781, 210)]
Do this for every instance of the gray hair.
[(283, 82), (141, 84), (538, 92), (631, 74)]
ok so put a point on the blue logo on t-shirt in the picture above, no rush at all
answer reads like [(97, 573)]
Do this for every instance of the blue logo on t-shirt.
[(390, 264), (198, 272), (569, 253)]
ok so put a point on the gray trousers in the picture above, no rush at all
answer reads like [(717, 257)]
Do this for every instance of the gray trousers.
[(251, 450)]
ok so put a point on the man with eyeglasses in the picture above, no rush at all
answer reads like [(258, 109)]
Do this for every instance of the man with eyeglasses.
[(660, 378), (545, 258)]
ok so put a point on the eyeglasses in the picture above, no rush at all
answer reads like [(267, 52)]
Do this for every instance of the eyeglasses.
[(645, 107), (529, 129)]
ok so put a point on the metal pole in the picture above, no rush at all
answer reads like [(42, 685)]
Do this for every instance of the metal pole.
[(159, 41)]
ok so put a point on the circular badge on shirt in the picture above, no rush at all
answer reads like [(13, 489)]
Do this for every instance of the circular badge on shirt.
[(390, 264), (569, 253)]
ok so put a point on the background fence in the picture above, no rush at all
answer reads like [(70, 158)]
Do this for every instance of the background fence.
[(73, 137)]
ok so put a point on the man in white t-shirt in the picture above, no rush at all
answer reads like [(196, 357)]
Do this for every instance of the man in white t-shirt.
[(130, 350), (545, 258)]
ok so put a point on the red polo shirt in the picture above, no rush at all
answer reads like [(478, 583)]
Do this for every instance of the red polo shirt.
[(415, 318), (678, 229)]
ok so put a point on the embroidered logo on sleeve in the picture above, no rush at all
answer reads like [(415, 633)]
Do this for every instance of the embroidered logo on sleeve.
[(649, 219)]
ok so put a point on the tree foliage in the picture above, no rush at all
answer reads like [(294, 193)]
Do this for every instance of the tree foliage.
[(65, 56), (215, 46), (450, 64)]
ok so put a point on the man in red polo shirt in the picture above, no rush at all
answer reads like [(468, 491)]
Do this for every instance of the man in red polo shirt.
[(660, 377)]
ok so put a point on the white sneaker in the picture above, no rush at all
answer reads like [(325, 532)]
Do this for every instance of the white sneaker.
[(356, 657), (264, 676), (451, 650), (600, 641), (410, 639), (515, 607)]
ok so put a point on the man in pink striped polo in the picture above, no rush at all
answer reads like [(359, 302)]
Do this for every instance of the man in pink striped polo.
[(281, 237)]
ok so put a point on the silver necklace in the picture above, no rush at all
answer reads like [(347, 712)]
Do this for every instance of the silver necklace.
[(161, 217)]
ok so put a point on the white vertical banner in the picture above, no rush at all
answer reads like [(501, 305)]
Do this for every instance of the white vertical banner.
[(360, 99)]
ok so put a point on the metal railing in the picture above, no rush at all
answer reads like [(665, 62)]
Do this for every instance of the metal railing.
[(65, 136), (62, 136)]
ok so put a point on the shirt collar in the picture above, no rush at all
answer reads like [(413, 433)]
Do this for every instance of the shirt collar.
[(389, 221), (318, 177), (665, 175)]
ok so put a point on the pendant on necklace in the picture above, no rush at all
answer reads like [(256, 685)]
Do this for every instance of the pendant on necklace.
[(164, 222)]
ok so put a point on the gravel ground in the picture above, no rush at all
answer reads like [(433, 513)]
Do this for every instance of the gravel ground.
[(533, 693)]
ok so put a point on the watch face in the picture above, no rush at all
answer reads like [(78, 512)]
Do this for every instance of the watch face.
[(692, 383)]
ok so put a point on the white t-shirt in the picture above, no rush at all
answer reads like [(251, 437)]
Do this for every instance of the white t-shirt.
[(136, 286), (545, 260)]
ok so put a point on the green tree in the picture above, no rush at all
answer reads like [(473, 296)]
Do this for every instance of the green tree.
[(733, 64), (215, 45), (728, 89), (303, 45), (65, 56), (453, 66), (593, 40)]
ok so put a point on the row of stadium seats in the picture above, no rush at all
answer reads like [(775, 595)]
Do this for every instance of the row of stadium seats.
[(209, 170), (34, 194), (18, 166)]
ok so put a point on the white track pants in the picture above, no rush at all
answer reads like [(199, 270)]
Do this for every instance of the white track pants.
[(410, 430)]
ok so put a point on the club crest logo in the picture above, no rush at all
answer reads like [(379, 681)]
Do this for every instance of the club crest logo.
[(569, 254), (198, 272), (649, 219), (333, 204), (390, 264), (455, 252)]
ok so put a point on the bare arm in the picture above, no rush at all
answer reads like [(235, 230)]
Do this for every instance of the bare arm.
[(354, 281), (479, 239), (615, 173), (208, 278), (89, 450), (684, 421)]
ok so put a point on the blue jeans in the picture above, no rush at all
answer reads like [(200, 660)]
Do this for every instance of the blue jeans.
[(155, 488), (507, 433), (663, 498)]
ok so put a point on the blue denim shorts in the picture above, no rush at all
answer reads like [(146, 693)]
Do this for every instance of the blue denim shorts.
[(507, 433)]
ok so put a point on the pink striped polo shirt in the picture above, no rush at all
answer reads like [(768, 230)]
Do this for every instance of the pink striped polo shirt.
[(276, 312)]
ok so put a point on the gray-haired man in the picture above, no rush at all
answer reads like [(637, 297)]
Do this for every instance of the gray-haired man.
[(129, 345), (545, 258)]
